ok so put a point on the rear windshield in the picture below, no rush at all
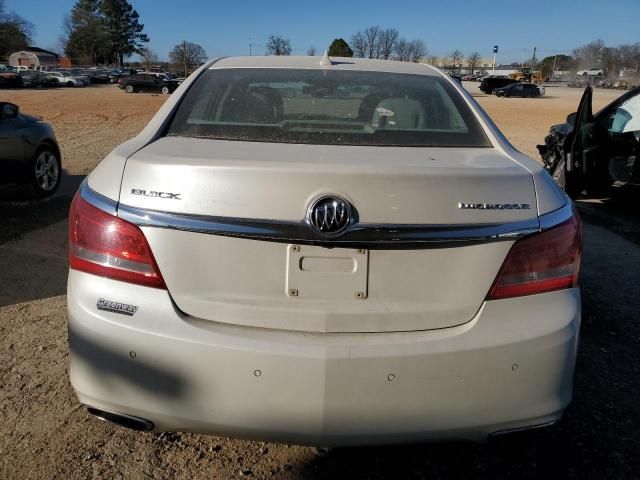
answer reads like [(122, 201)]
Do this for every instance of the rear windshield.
[(326, 107)]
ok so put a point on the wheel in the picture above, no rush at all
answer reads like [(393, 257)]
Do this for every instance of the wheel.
[(46, 172), (69, 83), (129, 89), (165, 90)]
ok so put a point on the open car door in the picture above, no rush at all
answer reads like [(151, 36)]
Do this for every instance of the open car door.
[(578, 146), (604, 148)]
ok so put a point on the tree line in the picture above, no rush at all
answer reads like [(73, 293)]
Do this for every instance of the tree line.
[(108, 31), (610, 59), (387, 44)]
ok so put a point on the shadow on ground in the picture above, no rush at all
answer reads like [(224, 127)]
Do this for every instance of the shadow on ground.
[(33, 244)]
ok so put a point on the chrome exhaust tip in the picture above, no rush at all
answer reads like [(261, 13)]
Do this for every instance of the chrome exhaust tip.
[(128, 421)]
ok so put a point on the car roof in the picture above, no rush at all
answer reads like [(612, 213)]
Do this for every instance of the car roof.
[(339, 63)]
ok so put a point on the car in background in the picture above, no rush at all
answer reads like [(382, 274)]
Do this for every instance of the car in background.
[(9, 78), (596, 153), (67, 80), (327, 253), (116, 74), (29, 153), (79, 73), (169, 77), (591, 72), (489, 84), (147, 82), (38, 79), (97, 75), (519, 90)]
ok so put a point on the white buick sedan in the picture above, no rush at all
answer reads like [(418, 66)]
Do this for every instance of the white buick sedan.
[(329, 252)]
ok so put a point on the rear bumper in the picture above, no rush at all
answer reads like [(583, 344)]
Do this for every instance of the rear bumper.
[(511, 367)]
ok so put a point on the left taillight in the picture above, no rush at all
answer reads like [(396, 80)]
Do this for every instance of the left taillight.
[(105, 245)]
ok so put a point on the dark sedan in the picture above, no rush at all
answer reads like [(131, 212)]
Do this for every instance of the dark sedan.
[(144, 82), (29, 154), (519, 90)]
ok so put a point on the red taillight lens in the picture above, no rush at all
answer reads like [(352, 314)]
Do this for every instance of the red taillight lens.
[(106, 245), (542, 262)]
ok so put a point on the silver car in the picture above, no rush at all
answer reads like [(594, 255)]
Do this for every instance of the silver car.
[(331, 252)]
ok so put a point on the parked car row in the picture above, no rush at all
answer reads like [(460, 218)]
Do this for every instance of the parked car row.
[(22, 76)]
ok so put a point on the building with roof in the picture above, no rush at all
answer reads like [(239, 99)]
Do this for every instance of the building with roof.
[(34, 57)]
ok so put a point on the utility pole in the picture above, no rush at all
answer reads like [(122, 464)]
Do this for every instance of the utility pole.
[(533, 60), (250, 46), (184, 57)]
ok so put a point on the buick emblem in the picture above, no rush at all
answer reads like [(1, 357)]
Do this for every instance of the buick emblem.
[(329, 215)]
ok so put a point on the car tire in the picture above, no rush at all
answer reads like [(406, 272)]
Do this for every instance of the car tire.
[(165, 90), (46, 172), (129, 89), (69, 84)]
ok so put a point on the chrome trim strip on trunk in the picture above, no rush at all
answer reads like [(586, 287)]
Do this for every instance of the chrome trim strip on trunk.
[(99, 201), (558, 216), (358, 235)]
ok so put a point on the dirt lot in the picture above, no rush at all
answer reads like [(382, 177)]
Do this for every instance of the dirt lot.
[(44, 433)]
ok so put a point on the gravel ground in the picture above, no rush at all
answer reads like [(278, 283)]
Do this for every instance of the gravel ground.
[(44, 433)]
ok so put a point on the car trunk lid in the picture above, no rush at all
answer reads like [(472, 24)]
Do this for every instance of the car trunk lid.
[(296, 286)]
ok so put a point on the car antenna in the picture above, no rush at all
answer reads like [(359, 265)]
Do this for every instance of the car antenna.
[(326, 61)]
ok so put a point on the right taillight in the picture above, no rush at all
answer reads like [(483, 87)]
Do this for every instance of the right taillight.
[(542, 262)]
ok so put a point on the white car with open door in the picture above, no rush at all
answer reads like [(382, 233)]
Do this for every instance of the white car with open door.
[(329, 252)]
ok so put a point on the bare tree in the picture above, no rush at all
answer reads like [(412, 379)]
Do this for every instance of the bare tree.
[(148, 56), (311, 51), (433, 60), (416, 51), (590, 55), (188, 56), (456, 59), (359, 45), (473, 60), (629, 55), (371, 35), (375, 42), (401, 50), (387, 39), (278, 45)]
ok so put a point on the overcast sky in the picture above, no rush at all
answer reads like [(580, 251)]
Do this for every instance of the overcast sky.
[(227, 28)]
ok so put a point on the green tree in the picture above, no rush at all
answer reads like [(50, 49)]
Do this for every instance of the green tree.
[(340, 48), (87, 40), (123, 27), (15, 32)]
